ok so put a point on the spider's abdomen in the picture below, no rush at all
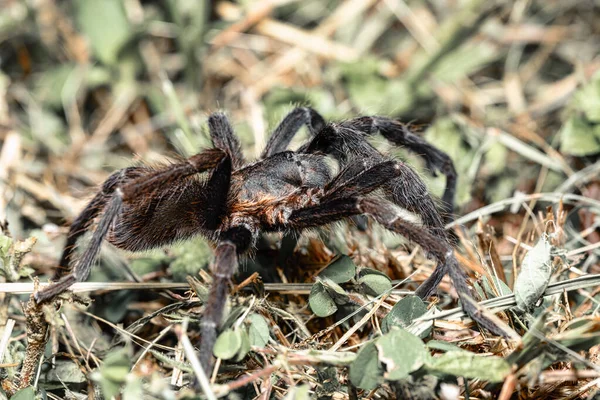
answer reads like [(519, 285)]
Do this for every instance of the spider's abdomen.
[(169, 215)]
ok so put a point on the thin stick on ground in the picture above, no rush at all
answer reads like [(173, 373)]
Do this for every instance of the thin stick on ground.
[(192, 356)]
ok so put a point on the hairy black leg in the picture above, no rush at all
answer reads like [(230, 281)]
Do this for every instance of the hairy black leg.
[(400, 134), (224, 138), (351, 182), (409, 191), (232, 242), (441, 251), (83, 267), (349, 146), (84, 220), (214, 197), (284, 133), (167, 176), (79, 226), (386, 214)]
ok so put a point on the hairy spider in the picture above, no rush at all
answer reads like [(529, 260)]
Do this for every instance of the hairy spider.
[(144, 208)]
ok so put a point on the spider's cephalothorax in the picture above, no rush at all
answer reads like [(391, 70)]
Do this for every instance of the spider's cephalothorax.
[(142, 208)]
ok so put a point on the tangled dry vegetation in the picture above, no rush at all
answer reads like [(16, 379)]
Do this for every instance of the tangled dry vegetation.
[(510, 89)]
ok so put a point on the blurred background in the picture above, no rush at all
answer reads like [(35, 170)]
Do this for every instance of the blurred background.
[(509, 89)]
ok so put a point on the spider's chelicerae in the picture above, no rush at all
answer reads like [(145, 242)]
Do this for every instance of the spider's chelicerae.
[(143, 208)]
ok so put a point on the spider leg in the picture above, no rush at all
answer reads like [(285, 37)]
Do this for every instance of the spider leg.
[(224, 138), (362, 183), (347, 143), (350, 148), (400, 134), (385, 213), (89, 213), (233, 242), (285, 131), (116, 192), (83, 267), (355, 181), (196, 164), (79, 226)]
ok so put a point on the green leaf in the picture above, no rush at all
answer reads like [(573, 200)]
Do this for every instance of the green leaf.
[(588, 100), (244, 346), (577, 137), (471, 365), (5, 243), (375, 284), (258, 330), (422, 328), (340, 270), (320, 301), (50, 83), (401, 352), (534, 276), (27, 393), (190, 257), (110, 389), (335, 291), (64, 372), (366, 371), (403, 313), (116, 365), (228, 344), (106, 26), (114, 372), (464, 61)]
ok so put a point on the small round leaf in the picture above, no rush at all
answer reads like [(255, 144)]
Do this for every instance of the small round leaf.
[(403, 313), (335, 291), (533, 279), (401, 352), (228, 344), (375, 284), (244, 346), (116, 366), (320, 301), (258, 330), (27, 393), (366, 371), (340, 270)]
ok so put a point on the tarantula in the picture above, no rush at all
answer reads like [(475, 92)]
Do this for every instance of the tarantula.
[(143, 208)]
